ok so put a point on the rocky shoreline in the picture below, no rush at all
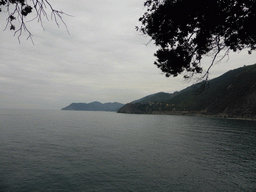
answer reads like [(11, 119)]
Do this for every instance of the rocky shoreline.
[(203, 114)]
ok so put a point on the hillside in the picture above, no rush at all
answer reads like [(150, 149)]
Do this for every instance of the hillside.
[(232, 95), (94, 106), (157, 97)]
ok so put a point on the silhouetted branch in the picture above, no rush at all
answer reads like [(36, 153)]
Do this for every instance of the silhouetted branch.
[(19, 9)]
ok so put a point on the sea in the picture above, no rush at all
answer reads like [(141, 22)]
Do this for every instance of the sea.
[(46, 150)]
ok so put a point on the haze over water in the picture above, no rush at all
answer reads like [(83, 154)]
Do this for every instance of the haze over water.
[(105, 151)]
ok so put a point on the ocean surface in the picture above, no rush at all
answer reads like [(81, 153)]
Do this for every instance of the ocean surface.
[(106, 151)]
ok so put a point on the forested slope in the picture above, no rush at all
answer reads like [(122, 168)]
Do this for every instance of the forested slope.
[(233, 95)]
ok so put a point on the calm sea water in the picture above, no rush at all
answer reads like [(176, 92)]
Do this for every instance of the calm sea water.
[(105, 151)]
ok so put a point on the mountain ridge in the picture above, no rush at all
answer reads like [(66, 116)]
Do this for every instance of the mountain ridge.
[(232, 94), (94, 106)]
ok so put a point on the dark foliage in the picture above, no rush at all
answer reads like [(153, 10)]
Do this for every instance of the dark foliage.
[(18, 10), (232, 95), (187, 30)]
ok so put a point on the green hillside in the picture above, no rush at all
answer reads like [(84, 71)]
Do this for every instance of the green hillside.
[(233, 95)]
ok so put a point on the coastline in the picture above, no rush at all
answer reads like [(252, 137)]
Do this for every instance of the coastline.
[(203, 114)]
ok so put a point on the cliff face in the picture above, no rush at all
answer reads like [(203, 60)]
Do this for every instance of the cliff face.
[(232, 95), (94, 106)]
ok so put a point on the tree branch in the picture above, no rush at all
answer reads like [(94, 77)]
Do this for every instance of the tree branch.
[(21, 10), (219, 48)]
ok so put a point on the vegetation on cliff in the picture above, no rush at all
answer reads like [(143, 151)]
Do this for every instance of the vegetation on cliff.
[(232, 95)]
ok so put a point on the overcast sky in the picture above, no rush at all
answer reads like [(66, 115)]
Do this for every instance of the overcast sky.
[(102, 58)]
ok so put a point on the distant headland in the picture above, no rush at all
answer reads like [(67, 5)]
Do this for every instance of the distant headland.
[(94, 106), (232, 95)]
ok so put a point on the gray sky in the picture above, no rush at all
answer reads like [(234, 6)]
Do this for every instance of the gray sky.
[(102, 59)]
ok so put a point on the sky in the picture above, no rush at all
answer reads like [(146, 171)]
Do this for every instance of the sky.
[(100, 58)]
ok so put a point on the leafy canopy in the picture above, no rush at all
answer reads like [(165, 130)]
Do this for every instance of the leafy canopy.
[(187, 30)]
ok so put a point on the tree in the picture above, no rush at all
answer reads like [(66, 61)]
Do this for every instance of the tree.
[(187, 30), (18, 10)]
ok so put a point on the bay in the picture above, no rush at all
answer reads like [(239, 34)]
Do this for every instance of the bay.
[(106, 151)]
